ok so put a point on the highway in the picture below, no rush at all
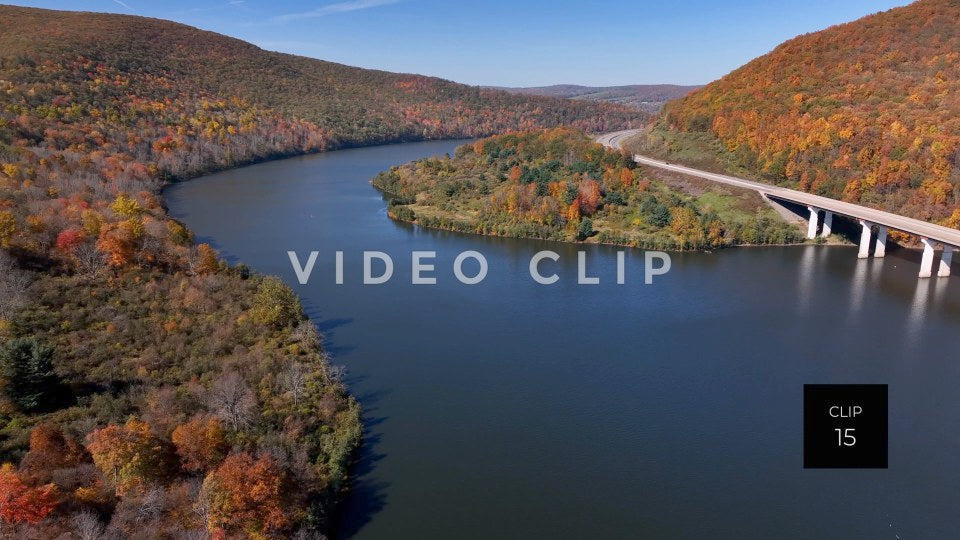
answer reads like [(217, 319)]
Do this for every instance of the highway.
[(916, 227)]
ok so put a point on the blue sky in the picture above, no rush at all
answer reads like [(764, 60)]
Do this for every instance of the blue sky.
[(513, 43)]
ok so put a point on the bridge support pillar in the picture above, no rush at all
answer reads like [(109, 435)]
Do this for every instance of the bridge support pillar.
[(814, 222), (926, 262), (881, 248), (864, 240), (945, 261), (827, 224)]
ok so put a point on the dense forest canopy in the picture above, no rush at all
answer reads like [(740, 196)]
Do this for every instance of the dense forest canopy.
[(559, 184), (868, 112), (146, 388), (351, 105)]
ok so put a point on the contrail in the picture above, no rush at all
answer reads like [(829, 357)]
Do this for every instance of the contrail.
[(124, 4)]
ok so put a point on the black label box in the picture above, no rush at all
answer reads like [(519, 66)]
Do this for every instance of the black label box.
[(845, 426)]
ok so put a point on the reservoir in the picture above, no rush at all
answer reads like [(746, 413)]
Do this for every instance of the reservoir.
[(513, 409)]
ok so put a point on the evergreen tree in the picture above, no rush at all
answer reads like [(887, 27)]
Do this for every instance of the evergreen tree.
[(585, 230), (28, 373)]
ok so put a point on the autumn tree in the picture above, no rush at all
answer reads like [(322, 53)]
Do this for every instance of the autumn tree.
[(715, 233), (249, 495), (20, 502), (117, 243), (179, 234), (8, 228), (69, 239), (130, 456), (573, 211), (50, 450), (686, 226), (275, 304), (590, 196), (514, 175), (207, 262), (201, 443), (126, 206)]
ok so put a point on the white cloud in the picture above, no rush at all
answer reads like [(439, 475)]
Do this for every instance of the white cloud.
[(330, 9)]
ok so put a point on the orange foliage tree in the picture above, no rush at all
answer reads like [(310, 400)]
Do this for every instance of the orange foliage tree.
[(21, 503), (249, 495), (131, 457), (589, 197), (201, 443), (117, 243), (207, 262), (515, 173), (50, 450)]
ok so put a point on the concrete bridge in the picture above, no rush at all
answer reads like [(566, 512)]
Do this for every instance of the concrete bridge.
[(822, 210)]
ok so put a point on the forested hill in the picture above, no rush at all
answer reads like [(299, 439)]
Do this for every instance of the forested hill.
[(867, 111), (351, 105)]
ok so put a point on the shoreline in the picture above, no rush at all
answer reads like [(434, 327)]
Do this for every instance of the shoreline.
[(612, 244)]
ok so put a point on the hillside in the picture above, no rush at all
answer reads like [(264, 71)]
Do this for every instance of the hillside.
[(145, 385), (559, 184), (648, 98), (867, 111), (353, 106)]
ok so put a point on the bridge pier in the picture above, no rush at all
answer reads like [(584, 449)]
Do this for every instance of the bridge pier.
[(827, 224), (864, 240), (814, 222), (945, 260), (926, 262), (881, 247)]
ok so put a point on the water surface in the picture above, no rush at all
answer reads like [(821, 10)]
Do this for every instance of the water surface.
[(510, 409)]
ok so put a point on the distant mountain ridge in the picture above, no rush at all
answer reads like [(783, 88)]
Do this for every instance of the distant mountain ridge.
[(644, 97), (867, 111)]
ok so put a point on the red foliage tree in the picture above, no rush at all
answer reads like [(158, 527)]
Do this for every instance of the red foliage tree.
[(21, 503), (69, 239)]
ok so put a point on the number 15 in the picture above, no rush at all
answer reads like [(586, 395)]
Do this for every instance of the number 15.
[(845, 437)]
